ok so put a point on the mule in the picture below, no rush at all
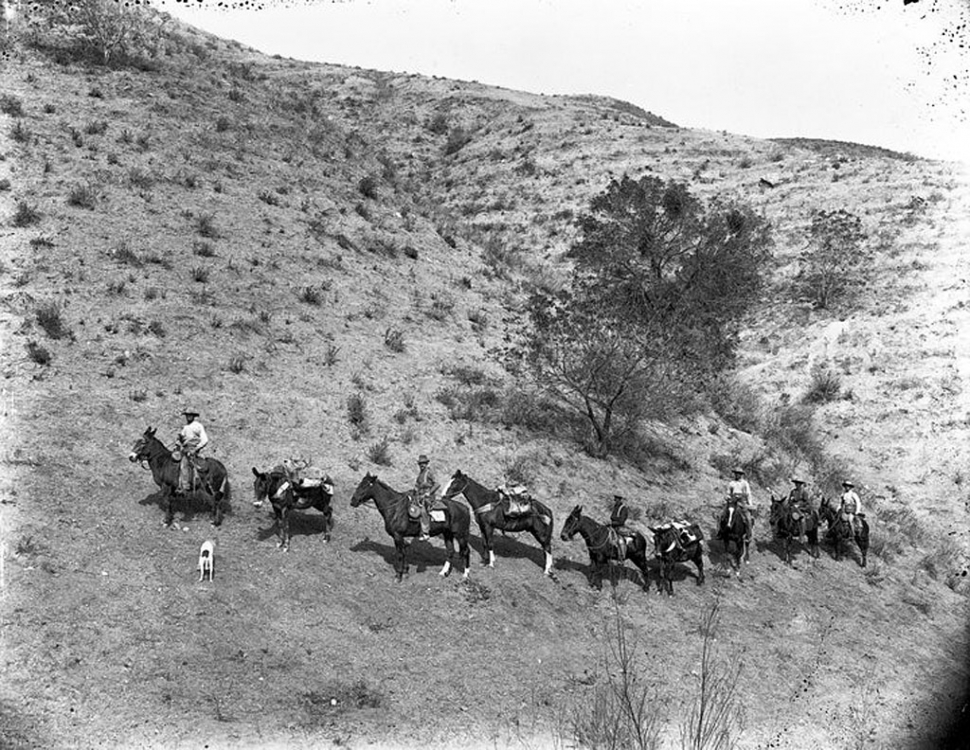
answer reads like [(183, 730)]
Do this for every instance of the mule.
[(605, 549), (210, 473), (840, 530), (491, 514), (790, 523), (671, 547), (276, 486), (734, 530), (452, 521)]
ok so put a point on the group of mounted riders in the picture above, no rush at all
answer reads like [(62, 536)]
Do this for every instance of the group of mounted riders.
[(310, 487)]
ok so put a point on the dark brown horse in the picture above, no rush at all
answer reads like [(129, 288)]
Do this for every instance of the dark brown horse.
[(735, 532), (490, 511), (673, 545), (211, 474), (452, 521), (791, 523), (840, 530), (605, 549), (285, 496)]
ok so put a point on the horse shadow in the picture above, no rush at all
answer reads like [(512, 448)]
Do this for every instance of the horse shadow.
[(623, 572), (190, 506), (509, 547), (301, 524), (419, 553)]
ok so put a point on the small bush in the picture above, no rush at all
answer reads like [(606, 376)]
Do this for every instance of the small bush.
[(25, 215), (268, 197), (438, 124), (367, 186), (825, 386), (124, 254), (479, 320), (394, 340), (203, 249), (311, 295), (205, 225), (379, 453), (48, 316), (223, 123), (96, 127), (38, 353), (331, 355), (156, 328), (458, 138), (200, 274), (237, 364), (140, 179), (11, 105), (357, 411), (19, 132), (442, 303), (83, 196)]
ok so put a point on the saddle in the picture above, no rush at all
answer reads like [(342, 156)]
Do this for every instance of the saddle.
[(687, 532), (416, 504), (518, 502), (618, 541)]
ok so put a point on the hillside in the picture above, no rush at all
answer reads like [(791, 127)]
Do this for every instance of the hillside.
[(263, 239)]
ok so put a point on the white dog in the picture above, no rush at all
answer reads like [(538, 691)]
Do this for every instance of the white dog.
[(207, 562)]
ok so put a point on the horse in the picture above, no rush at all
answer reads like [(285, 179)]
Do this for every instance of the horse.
[(276, 486), (491, 515), (452, 522), (840, 530), (674, 545), (734, 529), (210, 473), (790, 523), (605, 548)]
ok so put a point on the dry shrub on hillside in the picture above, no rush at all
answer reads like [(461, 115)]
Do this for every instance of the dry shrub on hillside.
[(26, 215), (11, 105), (48, 316), (19, 132), (83, 196), (825, 385), (38, 353), (624, 710), (357, 415), (379, 453)]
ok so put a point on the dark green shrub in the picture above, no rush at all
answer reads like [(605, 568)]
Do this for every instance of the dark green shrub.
[(394, 340), (83, 196), (368, 187), (825, 386), (38, 353), (379, 453)]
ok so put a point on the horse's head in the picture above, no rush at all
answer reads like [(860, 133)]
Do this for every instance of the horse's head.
[(261, 487), (571, 524), (364, 491), (140, 450), (456, 485)]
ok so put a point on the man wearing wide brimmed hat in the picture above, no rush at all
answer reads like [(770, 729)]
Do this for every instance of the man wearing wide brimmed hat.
[(739, 492), (799, 496), (851, 505), (425, 488), (191, 440)]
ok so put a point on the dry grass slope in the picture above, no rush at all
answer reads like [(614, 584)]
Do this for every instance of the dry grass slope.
[(320, 259)]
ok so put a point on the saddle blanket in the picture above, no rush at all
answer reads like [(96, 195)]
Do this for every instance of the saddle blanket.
[(438, 516)]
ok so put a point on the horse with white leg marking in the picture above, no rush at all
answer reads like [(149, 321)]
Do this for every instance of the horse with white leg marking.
[(452, 521), (492, 514)]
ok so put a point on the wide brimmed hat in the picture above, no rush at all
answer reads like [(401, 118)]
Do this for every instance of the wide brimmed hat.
[(847, 483), (797, 480), (190, 412), (423, 459), (738, 470), (617, 497)]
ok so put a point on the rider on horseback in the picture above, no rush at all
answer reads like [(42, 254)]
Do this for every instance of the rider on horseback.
[(618, 517), (425, 488), (799, 499), (739, 492), (851, 507), (191, 440)]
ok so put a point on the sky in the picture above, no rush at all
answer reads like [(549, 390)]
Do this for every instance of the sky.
[(880, 72)]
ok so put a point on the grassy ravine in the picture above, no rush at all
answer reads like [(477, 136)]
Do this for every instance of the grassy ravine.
[(266, 240)]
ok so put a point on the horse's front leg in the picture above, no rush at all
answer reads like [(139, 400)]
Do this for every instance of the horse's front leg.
[(327, 522), (402, 558), (168, 499), (699, 562), (488, 552), (450, 550), (284, 526), (217, 508)]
